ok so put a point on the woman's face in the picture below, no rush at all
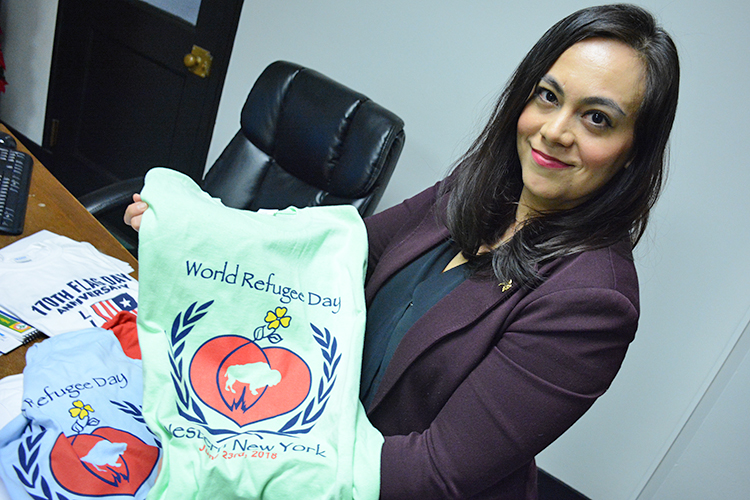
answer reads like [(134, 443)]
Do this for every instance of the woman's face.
[(577, 130)]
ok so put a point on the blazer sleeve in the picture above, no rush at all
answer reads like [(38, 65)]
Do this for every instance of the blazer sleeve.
[(556, 357)]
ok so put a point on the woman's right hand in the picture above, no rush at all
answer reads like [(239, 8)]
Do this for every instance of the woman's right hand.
[(134, 212)]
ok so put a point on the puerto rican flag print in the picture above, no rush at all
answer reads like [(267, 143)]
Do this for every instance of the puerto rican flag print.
[(109, 308)]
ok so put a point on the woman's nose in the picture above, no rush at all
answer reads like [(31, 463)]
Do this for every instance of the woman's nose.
[(556, 130)]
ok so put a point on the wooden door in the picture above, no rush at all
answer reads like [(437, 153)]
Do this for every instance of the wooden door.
[(121, 98)]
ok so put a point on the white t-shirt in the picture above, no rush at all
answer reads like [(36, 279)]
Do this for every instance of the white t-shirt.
[(60, 285)]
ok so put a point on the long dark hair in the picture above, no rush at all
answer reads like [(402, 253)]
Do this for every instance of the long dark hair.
[(486, 183)]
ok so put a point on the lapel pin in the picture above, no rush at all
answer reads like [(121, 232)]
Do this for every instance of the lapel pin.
[(505, 285)]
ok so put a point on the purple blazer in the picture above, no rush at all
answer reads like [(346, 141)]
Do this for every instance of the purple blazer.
[(491, 375)]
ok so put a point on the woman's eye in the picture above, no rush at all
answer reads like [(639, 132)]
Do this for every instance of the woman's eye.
[(546, 95), (599, 119)]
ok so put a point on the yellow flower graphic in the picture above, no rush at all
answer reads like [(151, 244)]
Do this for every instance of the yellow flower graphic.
[(277, 318), (80, 410)]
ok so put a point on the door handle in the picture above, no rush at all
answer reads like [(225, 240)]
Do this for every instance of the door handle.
[(198, 61)]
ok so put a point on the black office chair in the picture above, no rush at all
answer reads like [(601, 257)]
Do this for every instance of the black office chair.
[(304, 140)]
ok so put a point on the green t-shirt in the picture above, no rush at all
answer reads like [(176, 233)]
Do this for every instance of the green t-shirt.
[(251, 328)]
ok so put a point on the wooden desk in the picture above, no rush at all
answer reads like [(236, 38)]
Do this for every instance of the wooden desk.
[(52, 207)]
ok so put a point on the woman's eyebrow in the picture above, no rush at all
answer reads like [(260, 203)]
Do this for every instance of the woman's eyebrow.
[(589, 101), (603, 101)]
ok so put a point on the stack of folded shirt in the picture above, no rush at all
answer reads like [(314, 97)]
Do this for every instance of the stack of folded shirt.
[(60, 285)]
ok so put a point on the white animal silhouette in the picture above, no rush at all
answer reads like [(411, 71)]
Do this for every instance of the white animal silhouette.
[(105, 453), (255, 375)]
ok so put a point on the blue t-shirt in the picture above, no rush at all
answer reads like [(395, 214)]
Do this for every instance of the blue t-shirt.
[(81, 433)]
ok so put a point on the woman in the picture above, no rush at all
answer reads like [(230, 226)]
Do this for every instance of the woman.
[(501, 301)]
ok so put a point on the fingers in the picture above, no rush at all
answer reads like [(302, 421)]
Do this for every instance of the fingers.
[(134, 212)]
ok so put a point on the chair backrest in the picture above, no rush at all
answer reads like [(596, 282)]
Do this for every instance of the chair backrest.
[(306, 140)]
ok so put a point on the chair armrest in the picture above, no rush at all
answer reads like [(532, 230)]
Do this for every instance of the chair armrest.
[(115, 196)]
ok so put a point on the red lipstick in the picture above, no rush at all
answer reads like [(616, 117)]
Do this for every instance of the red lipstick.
[(546, 161)]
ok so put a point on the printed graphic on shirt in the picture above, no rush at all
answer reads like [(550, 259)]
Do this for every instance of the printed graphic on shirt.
[(79, 291), (104, 461), (248, 382), (109, 308)]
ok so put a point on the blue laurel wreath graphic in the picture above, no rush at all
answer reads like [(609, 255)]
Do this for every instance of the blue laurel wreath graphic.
[(131, 409), (181, 326), (28, 452), (317, 405), (137, 413)]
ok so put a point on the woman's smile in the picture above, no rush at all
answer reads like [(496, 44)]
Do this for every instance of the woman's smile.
[(547, 161)]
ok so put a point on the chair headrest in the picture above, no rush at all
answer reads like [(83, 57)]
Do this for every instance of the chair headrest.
[(318, 130)]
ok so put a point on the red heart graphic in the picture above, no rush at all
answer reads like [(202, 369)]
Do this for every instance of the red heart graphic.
[(227, 370), (80, 469)]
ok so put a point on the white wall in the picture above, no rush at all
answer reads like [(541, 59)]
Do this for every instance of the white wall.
[(28, 35), (439, 64), (710, 456)]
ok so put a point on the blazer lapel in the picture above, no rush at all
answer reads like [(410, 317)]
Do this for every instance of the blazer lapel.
[(463, 306), (459, 309)]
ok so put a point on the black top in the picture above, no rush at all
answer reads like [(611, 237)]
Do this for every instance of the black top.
[(400, 302)]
